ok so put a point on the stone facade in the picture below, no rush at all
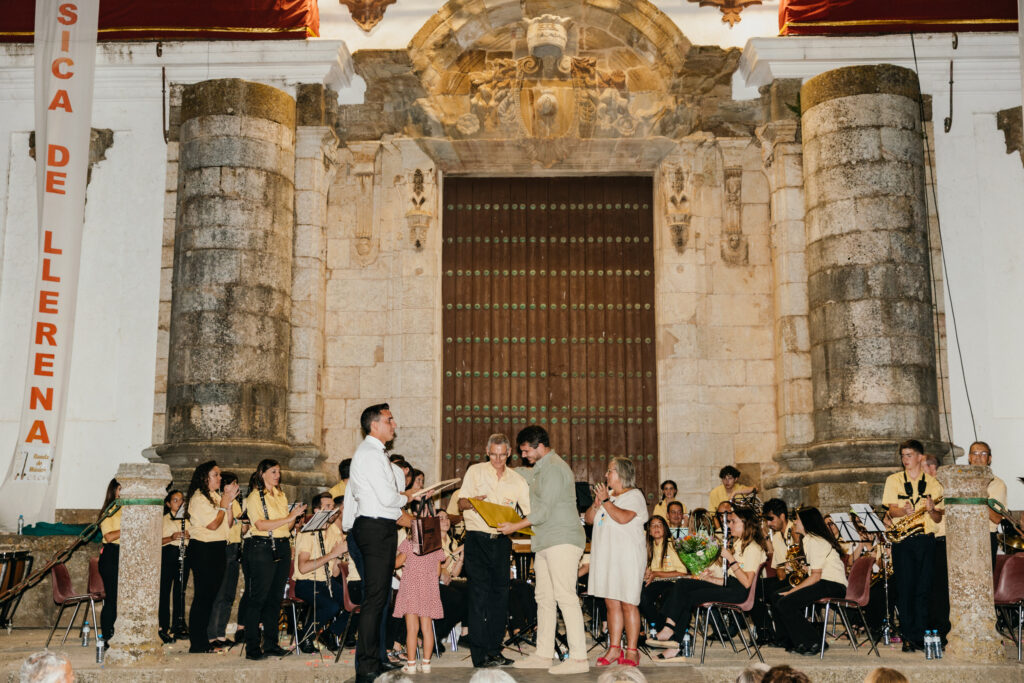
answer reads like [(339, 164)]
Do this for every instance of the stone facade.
[(747, 262)]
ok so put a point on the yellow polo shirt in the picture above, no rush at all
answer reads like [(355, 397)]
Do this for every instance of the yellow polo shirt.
[(749, 559), (482, 479), (671, 563), (202, 513), (338, 489), (309, 543), (895, 494), (277, 508), (821, 555), (112, 523), (172, 526)]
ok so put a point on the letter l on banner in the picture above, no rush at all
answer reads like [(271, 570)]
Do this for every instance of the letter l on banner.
[(65, 64)]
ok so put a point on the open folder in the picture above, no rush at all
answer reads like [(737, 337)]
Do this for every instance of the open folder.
[(494, 514)]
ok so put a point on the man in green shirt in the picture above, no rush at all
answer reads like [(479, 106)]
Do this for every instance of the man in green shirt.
[(558, 544)]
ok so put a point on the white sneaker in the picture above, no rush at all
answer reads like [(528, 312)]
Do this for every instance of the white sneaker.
[(532, 662), (425, 667), (570, 666)]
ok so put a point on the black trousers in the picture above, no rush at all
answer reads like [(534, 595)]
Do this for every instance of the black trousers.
[(377, 539), (652, 596), (938, 598), (266, 572), (455, 601), (170, 588), (327, 603), (221, 611), (487, 570), (206, 562), (686, 594), (792, 627), (913, 562), (108, 564)]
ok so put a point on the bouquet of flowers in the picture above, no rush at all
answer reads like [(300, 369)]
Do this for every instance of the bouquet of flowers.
[(697, 551)]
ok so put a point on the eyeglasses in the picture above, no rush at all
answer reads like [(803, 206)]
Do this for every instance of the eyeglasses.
[(497, 455), (979, 453)]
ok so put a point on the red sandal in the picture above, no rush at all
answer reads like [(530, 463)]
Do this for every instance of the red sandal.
[(604, 661), (626, 661)]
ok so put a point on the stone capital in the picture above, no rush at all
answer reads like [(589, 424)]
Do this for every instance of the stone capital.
[(316, 141), (964, 481), (143, 479)]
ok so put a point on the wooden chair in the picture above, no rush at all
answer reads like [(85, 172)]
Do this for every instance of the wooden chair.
[(858, 592), (738, 610), (65, 596)]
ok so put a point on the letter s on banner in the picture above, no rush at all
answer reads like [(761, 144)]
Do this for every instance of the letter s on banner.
[(65, 65)]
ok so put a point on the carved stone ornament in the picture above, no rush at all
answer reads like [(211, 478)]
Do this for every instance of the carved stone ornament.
[(418, 218), (367, 13), (735, 249), (730, 9), (678, 207), (551, 98)]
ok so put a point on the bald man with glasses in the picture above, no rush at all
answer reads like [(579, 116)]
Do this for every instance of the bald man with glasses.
[(488, 551), (980, 453)]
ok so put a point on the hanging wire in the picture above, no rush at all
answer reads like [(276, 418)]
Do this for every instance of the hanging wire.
[(945, 271)]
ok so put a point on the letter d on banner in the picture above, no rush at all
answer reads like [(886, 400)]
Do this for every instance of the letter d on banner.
[(65, 63)]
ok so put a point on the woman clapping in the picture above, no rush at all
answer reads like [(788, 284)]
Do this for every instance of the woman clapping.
[(267, 558), (208, 511)]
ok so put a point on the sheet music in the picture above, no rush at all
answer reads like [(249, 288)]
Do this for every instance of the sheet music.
[(321, 519), (868, 518), (847, 531)]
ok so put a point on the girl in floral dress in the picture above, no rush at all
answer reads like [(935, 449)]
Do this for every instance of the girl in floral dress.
[(419, 601)]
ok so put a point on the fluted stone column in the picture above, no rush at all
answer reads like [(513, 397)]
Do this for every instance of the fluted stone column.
[(969, 557), (230, 333), (138, 573), (869, 295)]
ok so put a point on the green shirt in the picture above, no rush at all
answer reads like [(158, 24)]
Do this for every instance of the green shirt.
[(553, 514)]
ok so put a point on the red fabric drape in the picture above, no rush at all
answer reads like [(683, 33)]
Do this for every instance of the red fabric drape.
[(181, 20), (837, 17)]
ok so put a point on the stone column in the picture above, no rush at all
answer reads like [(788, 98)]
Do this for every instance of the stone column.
[(869, 294), (316, 161), (138, 572), (968, 554), (230, 335)]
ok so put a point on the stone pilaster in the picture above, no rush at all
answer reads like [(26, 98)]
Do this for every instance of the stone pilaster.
[(783, 162), (869, 295), (971, 612), (138, 574), (316, 160), (230, 337)]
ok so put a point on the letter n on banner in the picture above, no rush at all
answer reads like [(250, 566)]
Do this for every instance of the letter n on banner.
[(65, 64)]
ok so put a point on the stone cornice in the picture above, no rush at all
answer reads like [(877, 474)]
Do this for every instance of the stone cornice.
[(131, 71), (984, 63)]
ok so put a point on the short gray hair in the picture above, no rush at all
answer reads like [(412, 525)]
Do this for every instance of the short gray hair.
[(45, 667), (491, 676), (499, 439), (626, 470), (753, 673), (622, 674)]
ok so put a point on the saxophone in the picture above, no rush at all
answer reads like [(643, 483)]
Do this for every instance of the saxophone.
[(908, 526), (796, 565)]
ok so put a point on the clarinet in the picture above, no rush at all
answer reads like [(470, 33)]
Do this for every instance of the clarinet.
[(181, 567), (323, 551), (270, 533), (725, 544)]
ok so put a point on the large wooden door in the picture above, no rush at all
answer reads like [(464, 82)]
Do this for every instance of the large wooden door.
[(548, 297)]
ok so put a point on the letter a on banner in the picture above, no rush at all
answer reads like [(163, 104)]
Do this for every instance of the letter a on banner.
[(65, 63)]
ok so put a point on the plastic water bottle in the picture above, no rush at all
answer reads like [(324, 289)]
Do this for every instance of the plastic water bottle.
[(85, 634), (929, 646), (99, 648), (21, 524), (687, 645), (938, 645)]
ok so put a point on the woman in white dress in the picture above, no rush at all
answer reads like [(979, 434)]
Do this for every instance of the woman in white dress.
[(618, 557)]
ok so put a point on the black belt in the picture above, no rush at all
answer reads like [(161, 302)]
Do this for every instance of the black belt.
[(264, 539), (489, 535)]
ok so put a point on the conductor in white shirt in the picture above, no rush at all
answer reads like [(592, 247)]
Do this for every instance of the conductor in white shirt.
[(373, 504)]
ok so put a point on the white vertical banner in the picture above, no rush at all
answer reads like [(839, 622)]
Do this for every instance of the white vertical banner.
[(65, 64)]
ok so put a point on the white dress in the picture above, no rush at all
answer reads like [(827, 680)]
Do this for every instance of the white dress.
[(618, 556)]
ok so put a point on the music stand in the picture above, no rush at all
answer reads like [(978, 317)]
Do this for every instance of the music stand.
[(847, 530)]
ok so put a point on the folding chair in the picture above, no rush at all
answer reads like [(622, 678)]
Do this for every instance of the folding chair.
[(1009, 596), (858, 592), (737, 610), (65, 596)]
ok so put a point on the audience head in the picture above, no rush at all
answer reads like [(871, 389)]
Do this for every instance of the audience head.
[(885, 675), (784, 673), (622, 675), (46, 667), (669, 490), (675, 514), (753, 673), (491, 676), (980, 453), (728, 475), (343, 469)]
